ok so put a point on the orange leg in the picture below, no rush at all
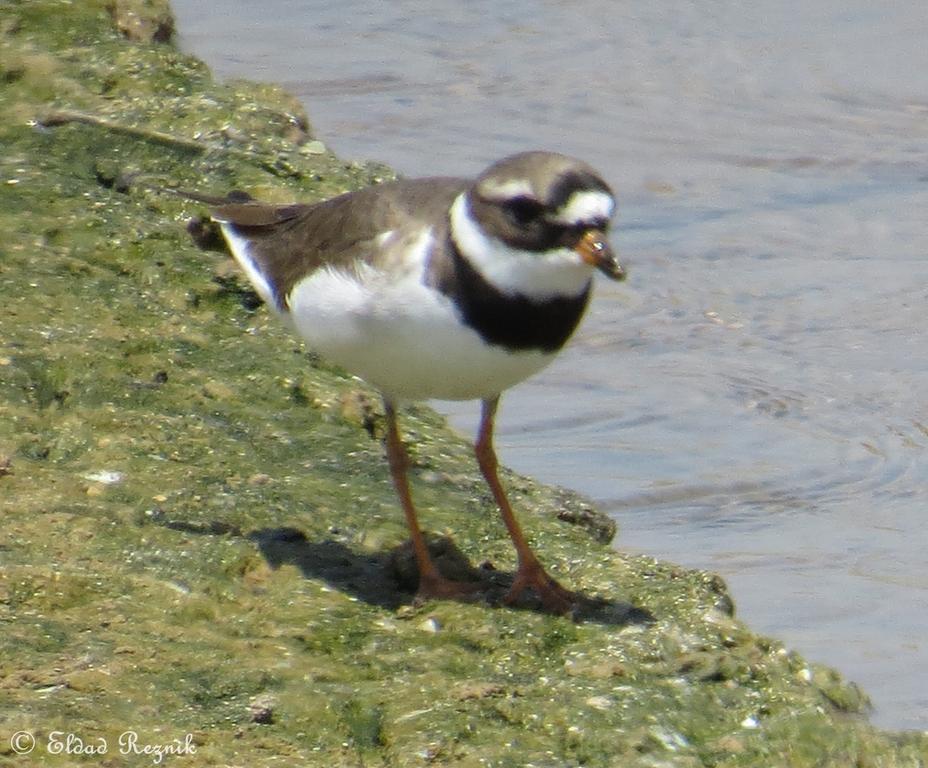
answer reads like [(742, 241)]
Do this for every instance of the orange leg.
[(431, 583), (530, 573)]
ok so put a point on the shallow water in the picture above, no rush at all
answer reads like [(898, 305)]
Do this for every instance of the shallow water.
[(753, 400)]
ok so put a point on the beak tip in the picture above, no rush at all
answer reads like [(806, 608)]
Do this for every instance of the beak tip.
[(614, 271)]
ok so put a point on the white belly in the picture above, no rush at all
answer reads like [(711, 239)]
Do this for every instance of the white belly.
[(403, 338)]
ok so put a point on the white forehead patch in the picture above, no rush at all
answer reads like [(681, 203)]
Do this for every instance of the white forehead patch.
[(583, 207), (504, 190)]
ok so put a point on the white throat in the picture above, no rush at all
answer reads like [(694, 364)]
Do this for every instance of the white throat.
[(559, 272)]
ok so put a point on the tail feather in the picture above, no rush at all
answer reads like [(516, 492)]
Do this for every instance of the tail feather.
[(236, 196)]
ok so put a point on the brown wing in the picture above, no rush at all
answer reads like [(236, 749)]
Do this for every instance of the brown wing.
[(288, 242)]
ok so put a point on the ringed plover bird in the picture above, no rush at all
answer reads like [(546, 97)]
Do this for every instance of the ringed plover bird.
[(443, 288)]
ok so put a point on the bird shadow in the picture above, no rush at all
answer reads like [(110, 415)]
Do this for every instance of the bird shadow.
[(389, 579)]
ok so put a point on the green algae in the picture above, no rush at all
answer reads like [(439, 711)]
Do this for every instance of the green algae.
[(198, 522)]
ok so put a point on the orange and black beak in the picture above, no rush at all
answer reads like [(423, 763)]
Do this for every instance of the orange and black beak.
[(595, 251)]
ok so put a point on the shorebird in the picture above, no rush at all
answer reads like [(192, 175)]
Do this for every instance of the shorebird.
[(445, 288)]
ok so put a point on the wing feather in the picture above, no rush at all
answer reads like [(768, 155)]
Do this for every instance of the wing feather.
[(285, 243)]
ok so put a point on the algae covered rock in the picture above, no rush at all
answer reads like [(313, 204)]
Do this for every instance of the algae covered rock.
[(143, 21), (197, 520)]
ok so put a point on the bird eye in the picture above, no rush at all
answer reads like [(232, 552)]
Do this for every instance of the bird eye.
[(523, 210)]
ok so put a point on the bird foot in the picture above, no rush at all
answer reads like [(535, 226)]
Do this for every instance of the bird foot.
[(553, 596)]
